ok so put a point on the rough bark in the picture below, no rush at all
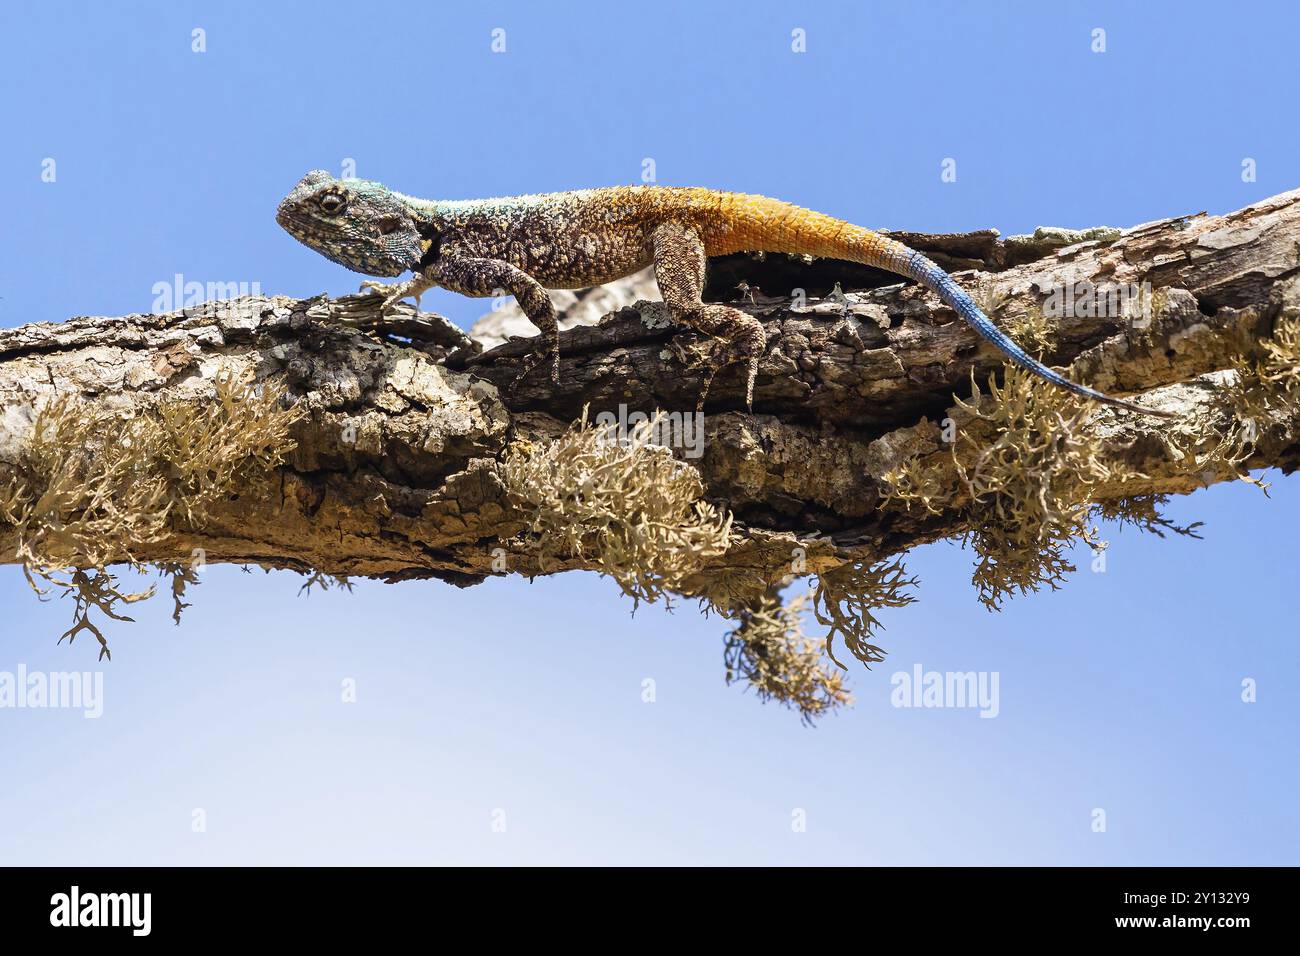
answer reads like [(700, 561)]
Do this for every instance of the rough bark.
[(397, 471)]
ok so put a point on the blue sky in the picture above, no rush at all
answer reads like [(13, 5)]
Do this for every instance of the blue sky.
[(1120, 692)]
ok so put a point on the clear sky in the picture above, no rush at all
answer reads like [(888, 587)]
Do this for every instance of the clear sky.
[(522, 702)]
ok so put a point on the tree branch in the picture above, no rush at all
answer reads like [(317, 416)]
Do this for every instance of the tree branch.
[(402, 433)]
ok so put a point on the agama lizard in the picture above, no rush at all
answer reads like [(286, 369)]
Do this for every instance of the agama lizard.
[(523, 245)]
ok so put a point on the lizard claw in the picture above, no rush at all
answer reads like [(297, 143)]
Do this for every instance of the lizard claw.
[(749, 383), (395, 292), (531, 361), (710, 360), (709, 373), (707, 359)]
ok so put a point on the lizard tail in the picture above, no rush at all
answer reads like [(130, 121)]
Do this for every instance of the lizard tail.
[(785, 228), (893, 256), (914, 265)]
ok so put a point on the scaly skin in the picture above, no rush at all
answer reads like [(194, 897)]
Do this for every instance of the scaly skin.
[(523, 245)]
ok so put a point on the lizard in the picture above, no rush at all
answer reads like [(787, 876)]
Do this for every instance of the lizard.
[(523, 245)]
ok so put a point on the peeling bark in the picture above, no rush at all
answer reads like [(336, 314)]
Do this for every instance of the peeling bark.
[(397, 472)]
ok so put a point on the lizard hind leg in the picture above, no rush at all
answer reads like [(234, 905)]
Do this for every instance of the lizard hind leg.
[(679, 269)]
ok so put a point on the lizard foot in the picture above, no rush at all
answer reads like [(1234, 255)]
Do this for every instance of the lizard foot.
[(534, 357), (711, 359), (706, 359), (394, 292), (745, 344), (711, 370)]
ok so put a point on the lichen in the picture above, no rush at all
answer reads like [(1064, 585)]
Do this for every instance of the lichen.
[(629, 509), (1031, 330), (1028, 468), (618, 504), (326, 582), (845, 598), (769, 649), (1031, 487), (1266, 386), (729, 591), (1144, 513), (913, 482), (93, 487)]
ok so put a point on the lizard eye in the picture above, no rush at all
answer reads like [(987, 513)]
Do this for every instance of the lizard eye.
[(331, 203)]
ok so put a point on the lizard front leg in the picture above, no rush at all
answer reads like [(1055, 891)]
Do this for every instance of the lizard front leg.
[(394, 292), (679, 269), (481, 278)]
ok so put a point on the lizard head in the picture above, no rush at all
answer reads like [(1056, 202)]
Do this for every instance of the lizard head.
[(354, 222)]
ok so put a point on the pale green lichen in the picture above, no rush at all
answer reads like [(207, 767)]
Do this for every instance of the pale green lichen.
[(1031, 330), (94, 487), (1030, 485), (846, 598), (1266, 387), (769, 650), (626, 508), (1027, 468)]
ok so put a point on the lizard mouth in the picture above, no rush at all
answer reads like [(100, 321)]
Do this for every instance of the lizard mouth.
[(285, 217), (292, 224)]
